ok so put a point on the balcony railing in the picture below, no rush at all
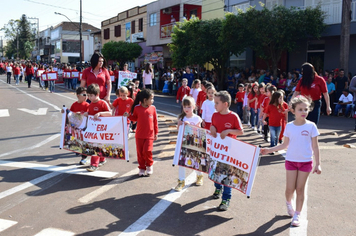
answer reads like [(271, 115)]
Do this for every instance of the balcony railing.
[(167, 30)]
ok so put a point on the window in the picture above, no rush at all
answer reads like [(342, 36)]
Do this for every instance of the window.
[(153, 19), (118, 31), (140, 25), (271, 3), (132, 27), (107, 33), (238, 7)]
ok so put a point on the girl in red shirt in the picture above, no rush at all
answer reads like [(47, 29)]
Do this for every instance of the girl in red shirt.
[(145, 114), (252, 105), (275, 111)]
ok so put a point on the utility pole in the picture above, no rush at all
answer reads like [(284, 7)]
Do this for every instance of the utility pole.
[(17, 47), (80, 36), (345, 35)]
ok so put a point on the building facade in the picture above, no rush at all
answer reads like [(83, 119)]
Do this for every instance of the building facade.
[(162, 15), (323, 53)]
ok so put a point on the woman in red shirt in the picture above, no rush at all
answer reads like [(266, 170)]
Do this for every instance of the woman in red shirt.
[(98, 74), (311, 85), (29, 74)]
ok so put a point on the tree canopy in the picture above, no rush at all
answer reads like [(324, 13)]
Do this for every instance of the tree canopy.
[(121, 51), (19, 31)]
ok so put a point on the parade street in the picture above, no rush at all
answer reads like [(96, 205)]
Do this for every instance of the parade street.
[(43, 190)]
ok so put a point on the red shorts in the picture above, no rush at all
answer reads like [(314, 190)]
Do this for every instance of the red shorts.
[(302, 166)]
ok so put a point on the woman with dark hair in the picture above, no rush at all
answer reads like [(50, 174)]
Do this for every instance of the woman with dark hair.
[(147, 76), (98, 74), (312, 85), (29, 73)]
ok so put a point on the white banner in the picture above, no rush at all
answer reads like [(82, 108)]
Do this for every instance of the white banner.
[(125, 78)]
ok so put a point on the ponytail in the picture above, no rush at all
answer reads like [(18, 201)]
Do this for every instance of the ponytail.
[(140, 97)]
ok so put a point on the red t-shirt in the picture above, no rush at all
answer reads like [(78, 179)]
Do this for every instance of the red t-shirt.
[(98, 107), (29, 71), (182, 91), (275, 115), (122, 106), (147, 124), (79, 107), (240, 96), (201, 98), (261, 97), (285, 107), (228, 121), (17, 71), (116, 74), (265, 103), (254, 103), (316, 89), (101, 79)]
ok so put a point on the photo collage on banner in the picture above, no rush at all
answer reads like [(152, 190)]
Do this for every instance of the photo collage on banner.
[(125, 77), (228, 161), (104, 137)]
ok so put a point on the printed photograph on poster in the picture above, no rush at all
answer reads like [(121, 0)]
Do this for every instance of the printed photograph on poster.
[(44, 76), (75, 74), (194, 138), (52, 76), (103, 137), (125, 77), (194, 159)]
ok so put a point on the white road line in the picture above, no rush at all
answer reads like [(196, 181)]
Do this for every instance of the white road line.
[(4, 113), (72, 169), (54, 232), (32, 147), (5, 224), (87, 198), (146, 220), (30, 95)]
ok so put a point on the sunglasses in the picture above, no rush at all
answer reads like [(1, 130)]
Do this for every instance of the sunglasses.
[(83, 94)]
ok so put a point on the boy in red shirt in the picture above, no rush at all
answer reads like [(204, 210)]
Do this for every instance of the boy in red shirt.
[(227, 123), (239, 100), (122, 104), (183, 90), (96, 108)]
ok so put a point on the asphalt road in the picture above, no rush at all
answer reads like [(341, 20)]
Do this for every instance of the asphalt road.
[(42, 193)]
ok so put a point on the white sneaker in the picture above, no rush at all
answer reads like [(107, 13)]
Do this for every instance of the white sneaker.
[(290, 209), (295, 221), (149, 170), (142, 173)]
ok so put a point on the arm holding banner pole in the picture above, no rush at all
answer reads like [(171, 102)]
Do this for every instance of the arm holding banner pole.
[(256, 162), (124, 124), (179, 145), (64, 116)]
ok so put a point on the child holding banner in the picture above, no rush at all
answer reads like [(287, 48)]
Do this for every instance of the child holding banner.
[(188, 117), (145, 114), (301, 142), (96, 108), (227, 123)]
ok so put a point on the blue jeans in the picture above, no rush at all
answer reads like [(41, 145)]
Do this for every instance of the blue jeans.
[(226, 193), (314, 115), (17, 79), (254, 117), (347, 110), (239, 106), (29, 80), (259, 120), (74, 83), (274, 132), (51, 85)]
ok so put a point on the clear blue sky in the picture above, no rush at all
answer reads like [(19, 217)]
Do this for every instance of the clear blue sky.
[(93, 11)]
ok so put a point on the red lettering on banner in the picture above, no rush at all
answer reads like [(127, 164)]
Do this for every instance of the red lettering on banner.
[(101, 127), (228, 159), (221, 147), (106, 136), (208, 141), (90, 135)]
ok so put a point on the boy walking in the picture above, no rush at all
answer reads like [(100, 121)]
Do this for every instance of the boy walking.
[(227, 123)]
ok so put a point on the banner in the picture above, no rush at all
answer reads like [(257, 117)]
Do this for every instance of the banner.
[(39, 73), (67, 75), (112, 78), (104, 137), (74, 74), (125, 77), (228, 161), (52, 76), (80, 75)]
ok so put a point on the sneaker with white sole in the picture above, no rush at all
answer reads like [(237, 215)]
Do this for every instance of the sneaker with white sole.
[(102, 162), (142, 172), (180, 185), (290, 209), (199, 181), (83, 162), (224, 205), (295, 220), (217, 194), (92, 168), (149, 170)]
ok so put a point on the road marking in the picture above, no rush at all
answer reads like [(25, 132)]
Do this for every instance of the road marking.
[(87, 198), (39, 112), (5, 224), (4, 113), (32, 147), (72, 169), (146, 220), (54, 232), (30, 95)]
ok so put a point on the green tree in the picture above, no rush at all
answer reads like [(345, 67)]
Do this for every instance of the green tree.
[(20, 38), (271, 32), (121, 51), (200, 42)]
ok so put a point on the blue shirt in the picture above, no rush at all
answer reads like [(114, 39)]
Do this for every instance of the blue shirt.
[(190, 78), (331, 87)]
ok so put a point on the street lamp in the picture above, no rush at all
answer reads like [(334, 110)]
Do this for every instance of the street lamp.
[(80, 32)]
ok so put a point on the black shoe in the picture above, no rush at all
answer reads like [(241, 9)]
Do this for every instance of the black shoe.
[(217, 194)]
